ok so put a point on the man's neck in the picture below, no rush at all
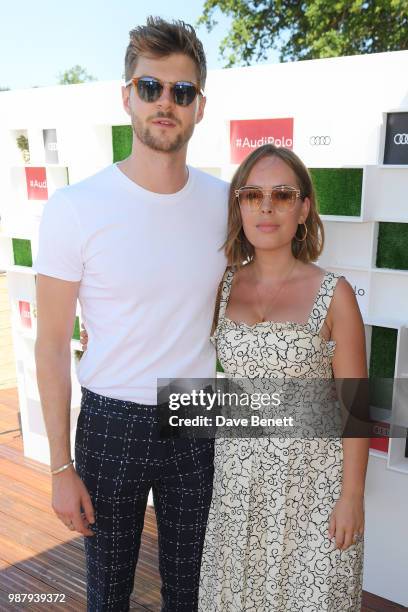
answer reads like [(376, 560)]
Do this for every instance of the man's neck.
[(156, 171)]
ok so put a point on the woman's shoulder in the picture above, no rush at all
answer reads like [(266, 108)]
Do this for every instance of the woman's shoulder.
[(344, 303), (317, 271), (341, 301), (333, 284), (344, 292), (311, 272)]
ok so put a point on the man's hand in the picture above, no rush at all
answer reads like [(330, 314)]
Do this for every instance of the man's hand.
[(69, 495), (84, 337)]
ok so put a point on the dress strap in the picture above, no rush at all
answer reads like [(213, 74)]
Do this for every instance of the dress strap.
[(225, 291), (322, 301)]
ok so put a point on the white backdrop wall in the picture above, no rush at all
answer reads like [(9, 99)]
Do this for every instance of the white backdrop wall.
[(342, 98)]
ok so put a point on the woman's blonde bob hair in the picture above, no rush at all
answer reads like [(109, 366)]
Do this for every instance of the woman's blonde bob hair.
[(237, 247)]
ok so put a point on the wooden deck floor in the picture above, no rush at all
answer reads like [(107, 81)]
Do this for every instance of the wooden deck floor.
[(39, 555)]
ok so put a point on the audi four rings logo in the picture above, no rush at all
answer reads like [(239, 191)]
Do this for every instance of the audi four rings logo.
[(401, 139), (320, 140)]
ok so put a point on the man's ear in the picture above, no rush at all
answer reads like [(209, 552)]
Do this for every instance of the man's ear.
[(200, 113), (126, 98)]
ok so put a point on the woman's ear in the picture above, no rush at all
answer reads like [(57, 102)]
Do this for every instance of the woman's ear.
[(304, 210)]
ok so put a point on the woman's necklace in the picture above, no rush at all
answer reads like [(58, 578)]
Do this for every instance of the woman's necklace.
[(274, 297)]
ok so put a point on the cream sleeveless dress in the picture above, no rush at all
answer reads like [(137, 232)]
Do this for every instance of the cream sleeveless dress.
[(266, 546)]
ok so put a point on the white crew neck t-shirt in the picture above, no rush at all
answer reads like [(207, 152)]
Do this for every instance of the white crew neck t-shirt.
[(149, 266)]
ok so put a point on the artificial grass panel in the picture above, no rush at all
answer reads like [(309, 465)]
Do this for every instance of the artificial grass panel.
[(76, 332), (392, 249), (22, 252), (219, 367), (382, 365), (122, 138), (338, 190), (383, 351)]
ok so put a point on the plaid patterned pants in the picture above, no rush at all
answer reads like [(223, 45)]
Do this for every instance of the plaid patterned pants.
[(120, 457)]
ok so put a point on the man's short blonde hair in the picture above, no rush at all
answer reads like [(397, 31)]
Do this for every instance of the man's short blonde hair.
[(160, 38)]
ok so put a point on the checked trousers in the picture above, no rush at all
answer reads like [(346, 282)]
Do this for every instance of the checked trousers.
[(120, 457)]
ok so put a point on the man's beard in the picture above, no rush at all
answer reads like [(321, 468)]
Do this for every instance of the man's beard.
[(144, 134)]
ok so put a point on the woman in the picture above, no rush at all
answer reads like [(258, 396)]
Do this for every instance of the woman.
[(286, 520)]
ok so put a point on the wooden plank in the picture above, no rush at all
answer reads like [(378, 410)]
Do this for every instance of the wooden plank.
[(10, 397), (29, 477), (374, 603), (5, 319), (16, 580), (10, 422), (44, 520), (49, 524), (32, 497), (7, 411), (64, 564), (50, 568), (8, 377), (16, 456), (59, 565), (5, 602)]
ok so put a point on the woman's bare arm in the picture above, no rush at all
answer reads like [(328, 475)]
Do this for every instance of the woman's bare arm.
[(349, 361)]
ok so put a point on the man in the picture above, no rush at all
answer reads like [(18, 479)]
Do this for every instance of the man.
[(139, 245)]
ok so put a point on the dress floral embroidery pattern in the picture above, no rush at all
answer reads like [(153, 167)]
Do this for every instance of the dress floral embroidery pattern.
[(266, 546)]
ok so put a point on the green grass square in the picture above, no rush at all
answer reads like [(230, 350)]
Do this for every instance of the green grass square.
[(382, 366), (22, 252), (392, 248), (219, 367), (383, 351), (122, 138), (338, 190), (76, 331)]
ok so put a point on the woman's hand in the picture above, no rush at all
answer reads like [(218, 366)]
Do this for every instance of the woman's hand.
[(349, 362), (346, 523), (83, 338)]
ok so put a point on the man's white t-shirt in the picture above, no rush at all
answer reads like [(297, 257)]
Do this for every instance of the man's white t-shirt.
[(149, 266)]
